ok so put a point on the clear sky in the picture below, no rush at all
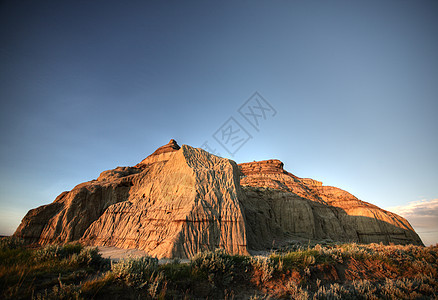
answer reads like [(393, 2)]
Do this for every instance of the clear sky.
[(86, 86)]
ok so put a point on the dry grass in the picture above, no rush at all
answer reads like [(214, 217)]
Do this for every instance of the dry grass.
[(349, 271)]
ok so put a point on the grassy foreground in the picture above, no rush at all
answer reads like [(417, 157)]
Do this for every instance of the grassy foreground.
[(349, 271)]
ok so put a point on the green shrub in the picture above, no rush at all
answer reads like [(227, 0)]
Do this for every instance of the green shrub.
[(11, 242), (265, 267), (364, 289), (10, 257), (90, 257), (72, 248), (176, 271), (135, 271), (156, 285), (298, 259), (217, 266), (296, 292), (49, 252)]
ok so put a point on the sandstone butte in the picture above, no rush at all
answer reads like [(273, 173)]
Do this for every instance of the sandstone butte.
[(182, 200)]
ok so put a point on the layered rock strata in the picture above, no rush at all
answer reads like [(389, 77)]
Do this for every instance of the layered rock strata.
[(181, 200), (177, 208), (304, 208), (175, 203)]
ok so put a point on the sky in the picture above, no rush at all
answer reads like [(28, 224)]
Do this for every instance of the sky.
[(347, 91)]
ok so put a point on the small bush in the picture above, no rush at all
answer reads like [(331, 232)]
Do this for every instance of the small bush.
[(49, 252), (364, 289), (334, 291), (90, 257), (10, 243), (11, 257), (135, 271), (217, 266), (296, 292), (157, 284), (176, 271), (71, 248), (298, 259), (264, 266)]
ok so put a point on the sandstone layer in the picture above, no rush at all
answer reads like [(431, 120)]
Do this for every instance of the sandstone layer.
[(182, 200), (175, 203), (178, 207), (278, 201)]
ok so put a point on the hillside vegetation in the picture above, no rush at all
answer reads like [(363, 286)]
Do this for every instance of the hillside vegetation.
[(350, 271)]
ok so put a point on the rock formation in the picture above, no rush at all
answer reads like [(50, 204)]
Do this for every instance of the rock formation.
[(302, 208), (181, 200)]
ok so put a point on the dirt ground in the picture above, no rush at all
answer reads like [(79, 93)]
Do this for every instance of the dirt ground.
[(116, 254)]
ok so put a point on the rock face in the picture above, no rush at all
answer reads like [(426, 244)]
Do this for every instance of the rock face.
[(187, 204), (174, 203), (181, 200), (283, 206), (67, 218)]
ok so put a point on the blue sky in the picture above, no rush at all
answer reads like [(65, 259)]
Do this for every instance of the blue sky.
[(88, 86)]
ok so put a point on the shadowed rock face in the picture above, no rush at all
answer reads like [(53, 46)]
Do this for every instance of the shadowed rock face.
[(302, 208), (67, 218), (180, 201)]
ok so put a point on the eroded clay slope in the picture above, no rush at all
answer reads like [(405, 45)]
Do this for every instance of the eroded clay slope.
[(67, 218), (296, 207), (180, 201), (186, 205), (175, 203), (72, 212)]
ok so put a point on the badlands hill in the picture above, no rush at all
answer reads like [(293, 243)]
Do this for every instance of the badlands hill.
[(182, 200)]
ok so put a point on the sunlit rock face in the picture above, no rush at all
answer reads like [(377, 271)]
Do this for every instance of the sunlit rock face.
[(175, 203), (302, 208), (179, 207), (182, 200)]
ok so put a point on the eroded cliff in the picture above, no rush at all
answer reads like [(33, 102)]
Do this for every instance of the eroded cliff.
[(304, 208), (182, 200), (175, 203)]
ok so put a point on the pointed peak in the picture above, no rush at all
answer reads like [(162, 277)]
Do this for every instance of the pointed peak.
[(173, 144), (169, 147)]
